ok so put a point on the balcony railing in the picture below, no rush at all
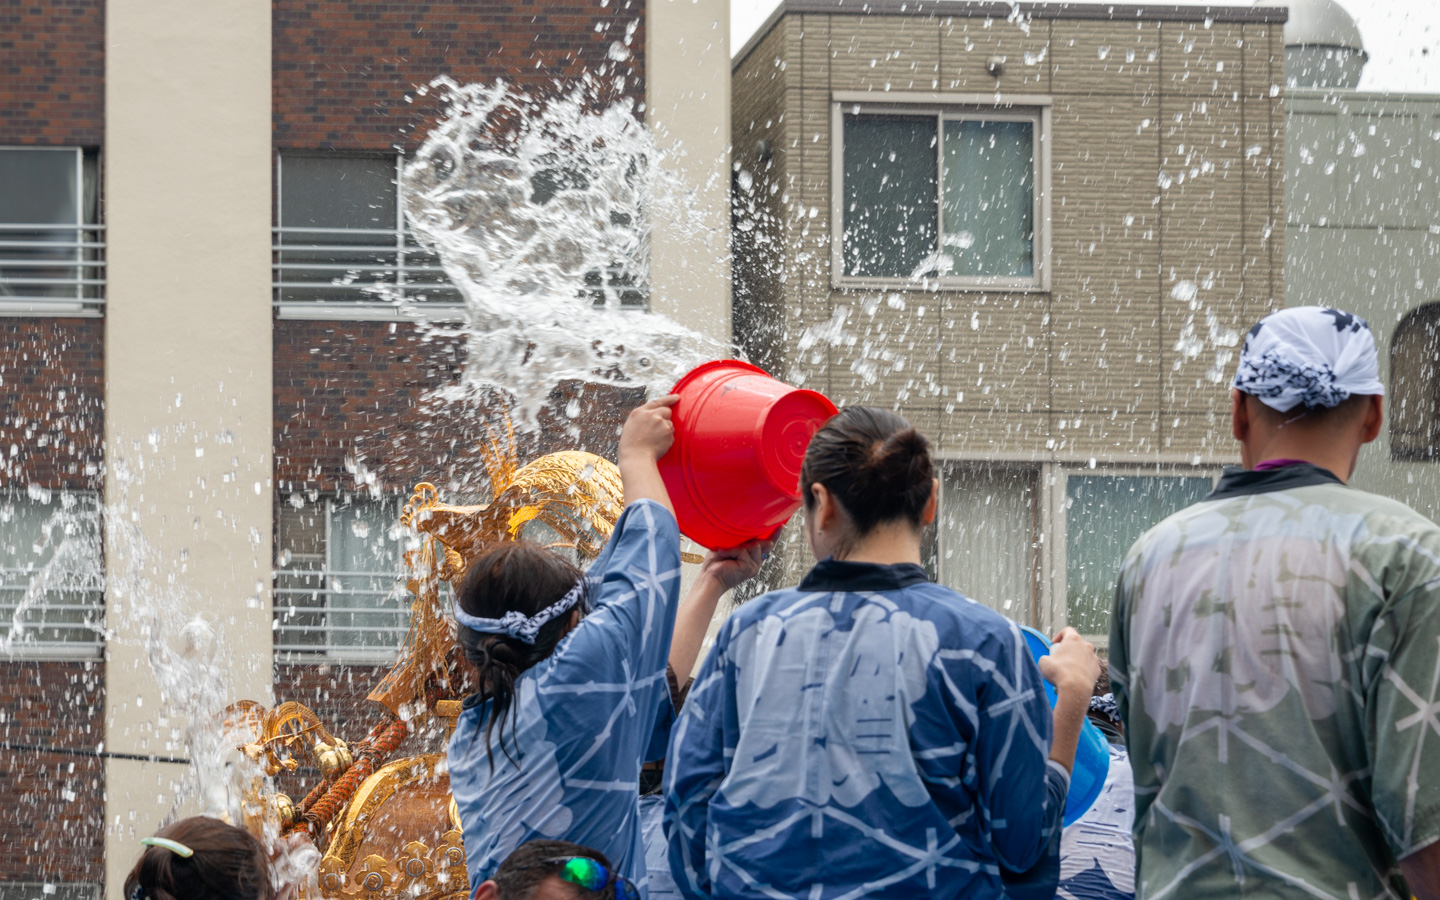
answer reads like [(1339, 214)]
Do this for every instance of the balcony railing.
[(52, 269), (64, 624), (346, 266), (350, 616)]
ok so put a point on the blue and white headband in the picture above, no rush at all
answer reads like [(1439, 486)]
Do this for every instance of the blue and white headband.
[(517, 624), (1308, 356)]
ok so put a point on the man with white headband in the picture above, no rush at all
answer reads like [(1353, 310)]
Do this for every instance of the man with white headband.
[(1275, 649)]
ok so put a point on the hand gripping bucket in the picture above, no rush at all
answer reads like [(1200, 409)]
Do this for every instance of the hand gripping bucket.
[(733, 472), (1092, 753)]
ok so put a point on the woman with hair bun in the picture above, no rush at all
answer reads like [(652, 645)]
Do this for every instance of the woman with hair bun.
[(870, 733)]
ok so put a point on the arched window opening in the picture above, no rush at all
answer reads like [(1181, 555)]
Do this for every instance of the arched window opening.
[(1415, 386)]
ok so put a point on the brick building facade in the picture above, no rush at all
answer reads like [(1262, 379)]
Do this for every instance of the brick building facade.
[(52, 94), (350, 394)]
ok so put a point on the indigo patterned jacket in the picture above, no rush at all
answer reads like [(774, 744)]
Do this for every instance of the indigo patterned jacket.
[(585, 718), (867, 734)]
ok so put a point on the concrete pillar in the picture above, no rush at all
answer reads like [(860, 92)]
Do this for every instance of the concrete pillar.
[(188, 403), (687, 88)]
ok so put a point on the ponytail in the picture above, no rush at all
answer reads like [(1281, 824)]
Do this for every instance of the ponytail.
[(874, 463), (511, 577)]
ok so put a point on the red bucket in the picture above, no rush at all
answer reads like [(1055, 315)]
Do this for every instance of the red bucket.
[(733, 472)]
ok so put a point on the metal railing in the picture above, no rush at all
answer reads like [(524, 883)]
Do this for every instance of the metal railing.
[(346, 266), (66, 623), (349, 265), (52, 269), (330, 614)]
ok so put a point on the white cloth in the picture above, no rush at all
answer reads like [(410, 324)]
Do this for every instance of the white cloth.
[(1308, 356)]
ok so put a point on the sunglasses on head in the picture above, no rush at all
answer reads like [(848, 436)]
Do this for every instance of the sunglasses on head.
[(584, 872)]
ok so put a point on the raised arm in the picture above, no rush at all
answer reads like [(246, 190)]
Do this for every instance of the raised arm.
[(647, 435), (721, 571)]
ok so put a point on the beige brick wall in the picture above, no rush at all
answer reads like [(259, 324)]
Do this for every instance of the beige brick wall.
[(1166, 154)]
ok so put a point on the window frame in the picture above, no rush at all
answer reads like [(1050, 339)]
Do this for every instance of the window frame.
[(1054, 599), (327, 650), (945, 107), (90, 239), (1033, 612), (1416, 320), (376, 309), (89, 650)]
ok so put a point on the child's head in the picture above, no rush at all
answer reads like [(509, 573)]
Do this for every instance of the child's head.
[(201, 859), (516, 602), (867, 468), (554, 870)]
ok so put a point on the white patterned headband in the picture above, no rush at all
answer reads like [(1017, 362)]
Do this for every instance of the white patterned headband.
[(1308, 356), (517, 624)]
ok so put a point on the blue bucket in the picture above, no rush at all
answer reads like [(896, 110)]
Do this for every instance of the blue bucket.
[(1092, 753)]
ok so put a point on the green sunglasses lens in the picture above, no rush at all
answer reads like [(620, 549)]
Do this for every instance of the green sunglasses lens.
[(587, 873)]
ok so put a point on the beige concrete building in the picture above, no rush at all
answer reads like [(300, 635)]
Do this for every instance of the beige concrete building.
[(1362, 216), (1037, 232)]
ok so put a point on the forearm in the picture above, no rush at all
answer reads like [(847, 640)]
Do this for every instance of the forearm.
[(692, 620), (642, 481), (1069, 718)]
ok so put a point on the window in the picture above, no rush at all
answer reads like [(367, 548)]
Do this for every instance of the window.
[(52, 584), (988, 526), (341, 238), (1104, 516), (51, 243), (1044, 546), (950, 195), (339, 578), (1415, 386)]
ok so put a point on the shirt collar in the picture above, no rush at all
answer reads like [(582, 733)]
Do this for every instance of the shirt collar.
[(1237, 482), (832, 574)]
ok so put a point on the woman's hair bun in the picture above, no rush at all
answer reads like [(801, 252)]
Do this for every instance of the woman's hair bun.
[(875, 463)]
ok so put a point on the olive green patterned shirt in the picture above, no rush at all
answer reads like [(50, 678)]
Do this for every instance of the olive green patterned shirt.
[(1275, 650)]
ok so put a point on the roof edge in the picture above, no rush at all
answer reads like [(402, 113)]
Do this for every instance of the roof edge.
[(1043, 9)]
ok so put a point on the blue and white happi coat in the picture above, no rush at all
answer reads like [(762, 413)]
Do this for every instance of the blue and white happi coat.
[(585, 718), (867, 734)]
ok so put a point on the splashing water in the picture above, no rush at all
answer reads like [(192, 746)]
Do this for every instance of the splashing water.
[(538, 210)]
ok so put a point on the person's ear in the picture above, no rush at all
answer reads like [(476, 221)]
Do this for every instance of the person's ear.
[(932, 506), (1239, 416), (825, 509), (488, 890), (1374, 417), (574, 621)]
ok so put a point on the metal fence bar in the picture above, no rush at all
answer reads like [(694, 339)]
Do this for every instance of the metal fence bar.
[(317, 619), (76, 278), (310, 264)]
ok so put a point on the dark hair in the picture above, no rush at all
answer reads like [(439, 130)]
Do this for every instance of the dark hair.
[(874, 463), (520, 577), (228, 863), (1317, 417), (527, 866)]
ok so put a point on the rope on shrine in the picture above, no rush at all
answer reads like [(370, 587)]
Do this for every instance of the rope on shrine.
[(369, 753)]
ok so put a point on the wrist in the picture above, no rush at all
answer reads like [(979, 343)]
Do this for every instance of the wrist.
[(710, 583), (1071, 687)]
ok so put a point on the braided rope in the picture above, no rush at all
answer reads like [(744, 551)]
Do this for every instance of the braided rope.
[(369, 753)]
